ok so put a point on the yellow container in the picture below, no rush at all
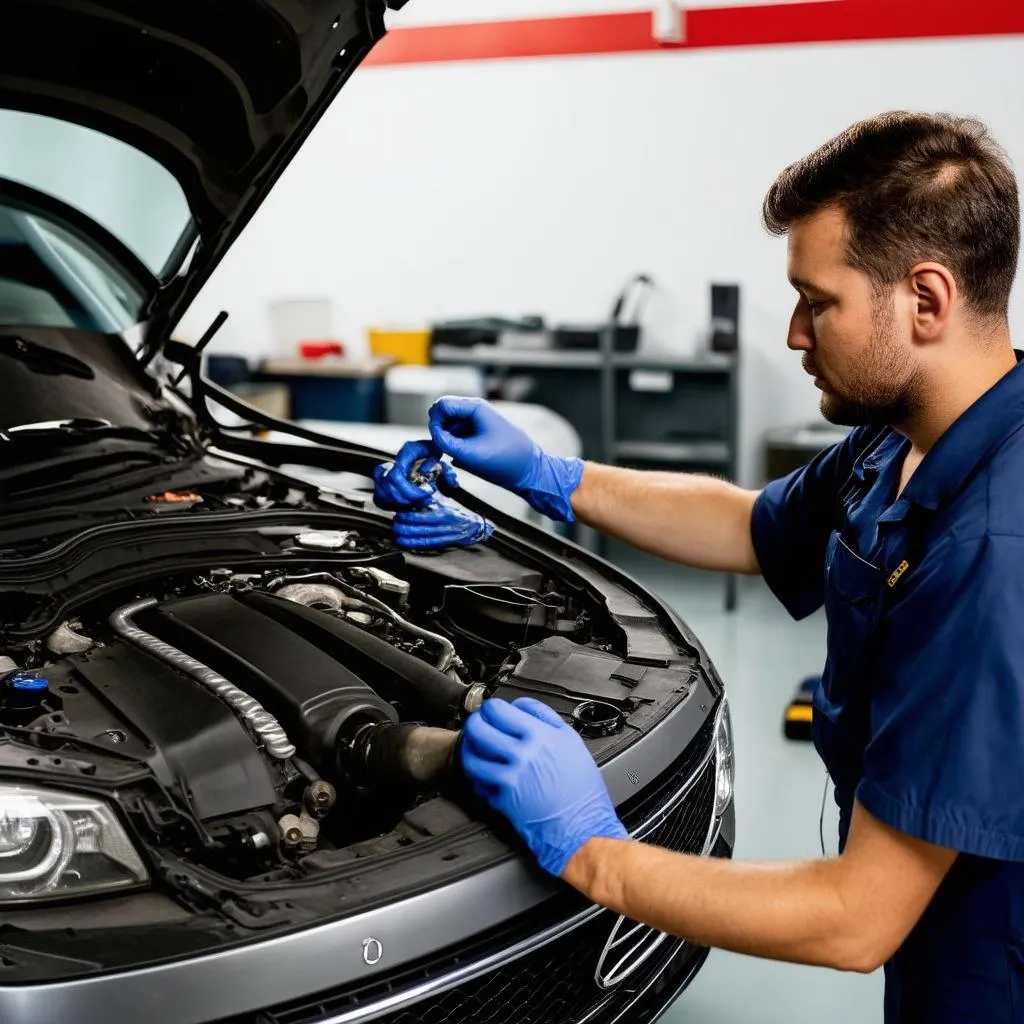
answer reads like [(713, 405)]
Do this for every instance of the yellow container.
[(406, 346)]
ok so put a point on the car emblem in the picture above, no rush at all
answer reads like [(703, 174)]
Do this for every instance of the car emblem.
[(372, 952), (628, 948), (632, 776)]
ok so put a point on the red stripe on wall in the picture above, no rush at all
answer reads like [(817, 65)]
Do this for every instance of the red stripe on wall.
[(764, 25)]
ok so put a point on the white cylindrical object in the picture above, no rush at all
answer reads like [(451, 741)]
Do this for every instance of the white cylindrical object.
[(668, 21), (300, 319)]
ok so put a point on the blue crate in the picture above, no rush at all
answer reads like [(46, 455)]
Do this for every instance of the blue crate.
[(344, 399)]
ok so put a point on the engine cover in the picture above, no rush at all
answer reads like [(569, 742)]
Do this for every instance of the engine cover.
[(320, 701), (123, 698)]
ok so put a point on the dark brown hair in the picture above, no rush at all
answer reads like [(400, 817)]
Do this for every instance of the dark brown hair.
[(914, 187)]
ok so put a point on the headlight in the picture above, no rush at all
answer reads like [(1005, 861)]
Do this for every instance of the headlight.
[(61, 844), (725, 760)]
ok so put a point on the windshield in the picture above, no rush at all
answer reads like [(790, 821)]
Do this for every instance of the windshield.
[(123, 190), (52, 277)]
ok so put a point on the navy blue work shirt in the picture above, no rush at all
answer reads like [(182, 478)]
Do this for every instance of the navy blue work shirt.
[(919, 715)]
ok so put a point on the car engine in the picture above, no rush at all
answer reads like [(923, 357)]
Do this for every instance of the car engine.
[(268, 724)]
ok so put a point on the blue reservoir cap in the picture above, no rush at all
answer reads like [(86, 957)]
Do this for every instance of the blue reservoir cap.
[(27, 681)]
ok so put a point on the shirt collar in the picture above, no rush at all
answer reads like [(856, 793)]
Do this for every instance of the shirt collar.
[(967, 444)]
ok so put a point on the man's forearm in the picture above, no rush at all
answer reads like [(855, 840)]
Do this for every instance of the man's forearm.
[(793, 912), (694, 520)]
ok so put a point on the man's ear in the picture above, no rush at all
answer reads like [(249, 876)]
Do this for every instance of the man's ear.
[(935, 295)]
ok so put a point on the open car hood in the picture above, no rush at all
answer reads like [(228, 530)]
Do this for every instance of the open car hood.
[(221, 95)]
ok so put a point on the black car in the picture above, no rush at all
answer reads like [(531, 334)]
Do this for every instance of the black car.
[(230, 706)]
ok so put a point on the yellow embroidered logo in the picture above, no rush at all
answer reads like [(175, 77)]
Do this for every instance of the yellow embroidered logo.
[(900, 570)]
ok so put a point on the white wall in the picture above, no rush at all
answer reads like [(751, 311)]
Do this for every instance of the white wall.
[(539, 186)]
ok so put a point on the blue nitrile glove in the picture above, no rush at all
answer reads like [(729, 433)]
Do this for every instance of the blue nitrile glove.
[(535, 769), (394, 490), (441, 524), (479, 439)]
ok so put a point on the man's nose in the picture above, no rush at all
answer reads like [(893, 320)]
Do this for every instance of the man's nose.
[(801, 330)]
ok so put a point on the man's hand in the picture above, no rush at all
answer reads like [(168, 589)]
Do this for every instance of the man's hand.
[(441, 524), (535, 769), (480, 440), (850, 912), (396, 490)]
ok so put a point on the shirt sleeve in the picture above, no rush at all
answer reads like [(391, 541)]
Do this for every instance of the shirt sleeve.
[(946, 757), (791, 523)]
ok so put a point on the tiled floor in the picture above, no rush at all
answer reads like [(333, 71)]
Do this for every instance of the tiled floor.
[(762, 655)]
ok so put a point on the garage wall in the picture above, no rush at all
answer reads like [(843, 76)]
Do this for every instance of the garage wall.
[(540, 185)]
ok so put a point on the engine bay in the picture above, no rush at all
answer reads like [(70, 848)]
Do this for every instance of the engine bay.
[(269, 723)]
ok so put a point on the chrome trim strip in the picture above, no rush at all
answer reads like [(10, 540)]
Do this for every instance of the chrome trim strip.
[(600, 1008), (470, 972), (676, 992), (680, 943), (611, 979), (659, 816), (437, 986)]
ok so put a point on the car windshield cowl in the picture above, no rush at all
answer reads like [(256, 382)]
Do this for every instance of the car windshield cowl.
[(65, 443), (74, 430)]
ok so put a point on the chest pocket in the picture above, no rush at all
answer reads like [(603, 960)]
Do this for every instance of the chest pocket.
[(853, 590), (853, 595)]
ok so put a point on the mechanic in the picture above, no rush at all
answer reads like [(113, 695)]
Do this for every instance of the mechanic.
[(903, 237)]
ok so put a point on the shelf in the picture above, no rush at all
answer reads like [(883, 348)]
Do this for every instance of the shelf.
[(589, 359), (492, 355), (709, 452), (710, 363)]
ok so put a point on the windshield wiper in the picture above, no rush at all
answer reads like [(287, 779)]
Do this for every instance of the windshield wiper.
[(75, 430), (37, 457), (40, 359)]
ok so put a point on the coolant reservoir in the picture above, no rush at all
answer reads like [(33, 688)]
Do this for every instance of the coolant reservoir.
[(26, 696)]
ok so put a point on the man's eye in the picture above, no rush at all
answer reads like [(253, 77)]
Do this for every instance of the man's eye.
[(816, 307)]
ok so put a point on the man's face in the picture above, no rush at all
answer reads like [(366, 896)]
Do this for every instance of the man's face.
[(853, 344)]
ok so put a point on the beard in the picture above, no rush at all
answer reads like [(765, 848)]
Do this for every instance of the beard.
[(881, 391)]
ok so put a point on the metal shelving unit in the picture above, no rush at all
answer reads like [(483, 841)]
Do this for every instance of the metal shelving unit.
[(632, 409), (705, 453)]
